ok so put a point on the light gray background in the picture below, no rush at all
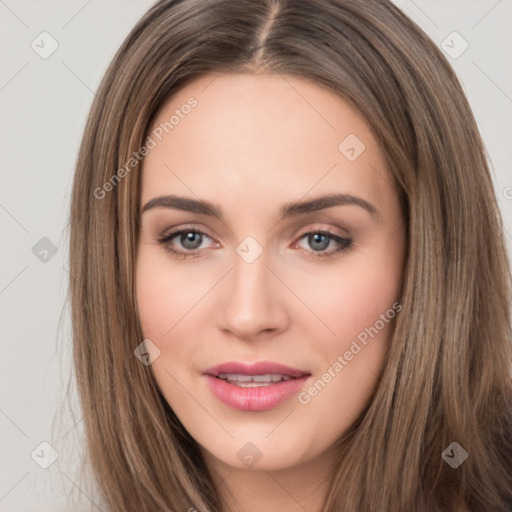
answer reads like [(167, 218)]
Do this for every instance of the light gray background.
[(44, 103)]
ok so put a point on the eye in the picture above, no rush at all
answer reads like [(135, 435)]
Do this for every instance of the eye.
[(321, 240), (189, 242)]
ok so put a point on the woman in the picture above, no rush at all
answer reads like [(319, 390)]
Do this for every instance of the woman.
[(290, 288)]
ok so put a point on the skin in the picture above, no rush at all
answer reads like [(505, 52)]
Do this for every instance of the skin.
[(253, 143)]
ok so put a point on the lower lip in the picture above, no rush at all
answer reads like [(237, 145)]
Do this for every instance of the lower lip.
[(254, 399)]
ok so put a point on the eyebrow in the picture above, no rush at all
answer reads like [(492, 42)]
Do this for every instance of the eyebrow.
[(287, 210)]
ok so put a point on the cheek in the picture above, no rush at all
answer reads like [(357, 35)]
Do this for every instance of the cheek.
[(164, 298), (154, 300), (171, 306), (163, 295), (360, 307), (352, 296), (358, 303)]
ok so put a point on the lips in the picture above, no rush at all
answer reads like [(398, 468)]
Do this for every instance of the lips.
[(254, 387), (260, 368)]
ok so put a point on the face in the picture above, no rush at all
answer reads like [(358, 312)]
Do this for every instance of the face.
[(282, 244)]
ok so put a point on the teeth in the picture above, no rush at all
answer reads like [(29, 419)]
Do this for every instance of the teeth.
[(251, 381), (239, 378), (250, 384), (263, 378)]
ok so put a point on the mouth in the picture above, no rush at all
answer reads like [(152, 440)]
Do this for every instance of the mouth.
[(233, 384)]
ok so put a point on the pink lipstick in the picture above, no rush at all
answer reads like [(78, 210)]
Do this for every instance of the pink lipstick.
[(254, 387)]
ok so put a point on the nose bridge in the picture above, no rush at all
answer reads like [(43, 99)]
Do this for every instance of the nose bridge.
[(249, 278), (250, 304)]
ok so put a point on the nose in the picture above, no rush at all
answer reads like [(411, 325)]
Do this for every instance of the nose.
[(252, 304)]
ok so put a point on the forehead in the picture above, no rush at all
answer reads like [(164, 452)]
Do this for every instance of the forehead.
[(261, 137)]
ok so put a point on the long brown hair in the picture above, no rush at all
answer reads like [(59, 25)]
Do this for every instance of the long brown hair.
[(447, 376)]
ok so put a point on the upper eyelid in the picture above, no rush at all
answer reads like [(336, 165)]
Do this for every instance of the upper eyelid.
[(176, 231), (315, 228)]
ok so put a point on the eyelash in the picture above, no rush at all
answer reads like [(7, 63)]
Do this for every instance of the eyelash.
[(345, 243)]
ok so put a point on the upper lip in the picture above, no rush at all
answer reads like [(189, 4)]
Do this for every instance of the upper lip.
[(260, 368)]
